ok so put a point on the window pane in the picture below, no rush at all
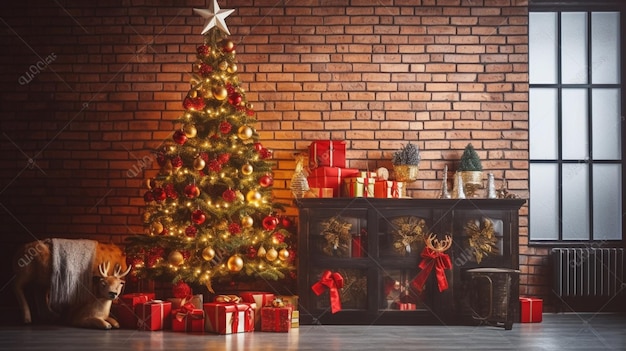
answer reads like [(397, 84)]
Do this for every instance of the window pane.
[(606, 125), (605, 55), (575, 183), (574, 47), (543, 124), (574, 127), (607, 202), (542, 47), (544, 218)]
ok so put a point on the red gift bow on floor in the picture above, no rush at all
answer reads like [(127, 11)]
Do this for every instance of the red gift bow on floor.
[(333, 281), (431, 258)]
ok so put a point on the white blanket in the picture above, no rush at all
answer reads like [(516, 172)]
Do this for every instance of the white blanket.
[(72, 271)]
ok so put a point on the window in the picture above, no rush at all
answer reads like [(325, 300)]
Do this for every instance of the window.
[(575, 126)]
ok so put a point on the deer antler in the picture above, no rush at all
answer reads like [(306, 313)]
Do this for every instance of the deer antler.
[(118, 271), (104, 269), (438, 245)]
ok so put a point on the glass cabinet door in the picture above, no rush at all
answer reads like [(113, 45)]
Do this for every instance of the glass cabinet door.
[(341, 235)]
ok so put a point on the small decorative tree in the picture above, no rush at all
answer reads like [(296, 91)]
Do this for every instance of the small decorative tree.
[(406, 163), (470, 168), (470, 161)]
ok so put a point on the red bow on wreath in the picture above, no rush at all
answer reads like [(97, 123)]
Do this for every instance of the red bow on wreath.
[(332, 281), (433, 256)]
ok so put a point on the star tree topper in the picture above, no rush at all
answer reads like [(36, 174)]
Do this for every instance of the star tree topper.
[(214, 17)]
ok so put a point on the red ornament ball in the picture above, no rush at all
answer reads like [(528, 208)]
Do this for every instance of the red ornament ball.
[(215, 165), (188, 103), (205, 69), (179, 137), (159, 194), (234, 99), (198, 217), (228, 46), (225, 127), (229, 195), (177, 162), (265, 153), (191, 231), (223, 158), (266, 181), (258, 147), (270, 223), (278, 237), (192, 191), (234, 228), (148, 196), (202, 50), (286, 222), (181, 290)]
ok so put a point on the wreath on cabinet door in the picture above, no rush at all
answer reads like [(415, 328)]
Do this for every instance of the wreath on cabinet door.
[(336, 231), (409, 233), (482, 238)]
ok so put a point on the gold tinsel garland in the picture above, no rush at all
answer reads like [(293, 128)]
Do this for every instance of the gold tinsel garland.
[(337, 234), (482, 238), (409, 232)]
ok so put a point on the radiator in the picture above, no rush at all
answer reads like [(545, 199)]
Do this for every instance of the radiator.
[(594, 272)]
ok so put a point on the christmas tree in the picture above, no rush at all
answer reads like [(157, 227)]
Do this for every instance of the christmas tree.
[(209, 213)]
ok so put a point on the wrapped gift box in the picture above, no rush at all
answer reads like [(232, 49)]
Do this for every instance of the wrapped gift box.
[(322, 192), (295, 319), (330, 177), (531, 309), (154, 315), (359, 187), (276, 319), (404, 306), (229, 318), (189, 321), (195, 300), (327, 153), (125, 308), (388, 189), (260, 299)]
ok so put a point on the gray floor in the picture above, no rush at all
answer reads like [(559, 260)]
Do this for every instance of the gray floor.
[(556, 332)]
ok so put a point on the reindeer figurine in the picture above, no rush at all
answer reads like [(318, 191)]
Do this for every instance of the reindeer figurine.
[(96, 312)]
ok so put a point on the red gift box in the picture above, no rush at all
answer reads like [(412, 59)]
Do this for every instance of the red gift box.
[(327, 153), (276, 319), (531, 309), (188, 320), (405, 306), (261, 299), (330, 177), (125, 310), (154, 315), (387, 189), (229, 318)]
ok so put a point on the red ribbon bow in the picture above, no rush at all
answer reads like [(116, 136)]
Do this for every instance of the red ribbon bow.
[(332, 281), (184, 311), (431, 258)]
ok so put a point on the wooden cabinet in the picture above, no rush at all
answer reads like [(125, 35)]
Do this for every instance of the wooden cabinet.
[(375, 244)]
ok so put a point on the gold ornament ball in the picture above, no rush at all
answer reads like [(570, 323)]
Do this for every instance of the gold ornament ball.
[(222, 65), (199, 163), (253, 196), (232, 68), (228, 45), (247, 221), (235, 263), (190, 130), (283, 254), (146, 216), (244, 132), (220, 93), (247, 169), (208, 253), (261, 252), (157, 227), (175, 258), (271, 254)]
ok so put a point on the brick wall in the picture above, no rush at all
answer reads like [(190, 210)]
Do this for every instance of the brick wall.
[(77, 129)]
